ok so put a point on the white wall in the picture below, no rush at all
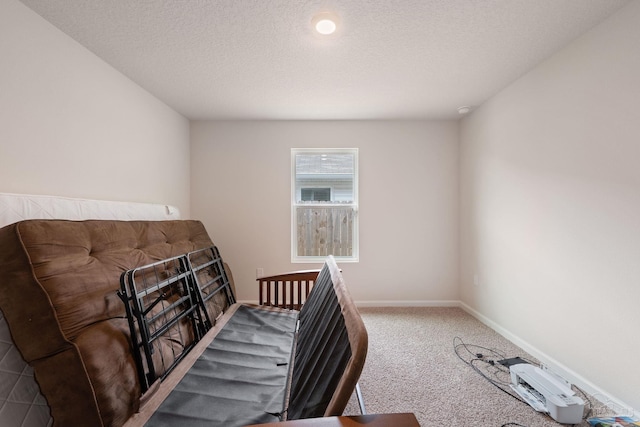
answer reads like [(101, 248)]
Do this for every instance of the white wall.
[(549, 179), (550, 208), (71, 125), (240, 188)]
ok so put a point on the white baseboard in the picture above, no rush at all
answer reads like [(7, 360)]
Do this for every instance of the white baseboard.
[(587, 386), (399, 303)]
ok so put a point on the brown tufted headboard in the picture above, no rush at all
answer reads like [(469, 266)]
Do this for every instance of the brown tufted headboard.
[(58, 287)]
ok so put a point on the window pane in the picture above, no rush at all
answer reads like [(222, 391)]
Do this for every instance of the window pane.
[(333, 171), (325, 230), (316, 194)]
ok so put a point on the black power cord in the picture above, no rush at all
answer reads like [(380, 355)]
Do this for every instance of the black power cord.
[(488, 358), (479, 356)]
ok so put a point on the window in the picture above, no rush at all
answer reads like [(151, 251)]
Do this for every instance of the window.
[(324, 200), (316, 194)]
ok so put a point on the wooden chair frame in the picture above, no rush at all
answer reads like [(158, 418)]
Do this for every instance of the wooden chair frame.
[(287, 290)]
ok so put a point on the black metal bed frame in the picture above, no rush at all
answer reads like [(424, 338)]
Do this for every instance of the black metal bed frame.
[(168, 300)]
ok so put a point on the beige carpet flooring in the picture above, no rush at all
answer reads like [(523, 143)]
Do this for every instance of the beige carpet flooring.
[(412, 367)]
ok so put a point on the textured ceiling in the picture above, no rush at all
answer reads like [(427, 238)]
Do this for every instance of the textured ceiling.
[(259, 59)]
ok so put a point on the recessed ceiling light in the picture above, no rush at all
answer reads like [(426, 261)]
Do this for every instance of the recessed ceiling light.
[(464, 109), (325, 23)]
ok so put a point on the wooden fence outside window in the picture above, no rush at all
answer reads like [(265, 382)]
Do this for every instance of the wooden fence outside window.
[(325, 230)]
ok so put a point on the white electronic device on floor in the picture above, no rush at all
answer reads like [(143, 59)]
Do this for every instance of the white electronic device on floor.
[(547, 392)]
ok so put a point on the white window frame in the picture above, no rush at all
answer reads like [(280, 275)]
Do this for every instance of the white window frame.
[(295, 258)]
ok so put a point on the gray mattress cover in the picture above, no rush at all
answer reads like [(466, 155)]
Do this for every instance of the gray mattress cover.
[(240, 379)]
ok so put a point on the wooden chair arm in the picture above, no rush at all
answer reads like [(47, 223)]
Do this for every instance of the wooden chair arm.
[(292, 275)]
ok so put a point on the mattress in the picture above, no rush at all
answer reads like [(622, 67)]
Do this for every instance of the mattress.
[(21, 403), (240, 378), (18, 207)]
